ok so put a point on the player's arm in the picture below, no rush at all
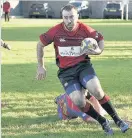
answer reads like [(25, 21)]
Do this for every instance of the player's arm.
[(45, 39), (41, 70)]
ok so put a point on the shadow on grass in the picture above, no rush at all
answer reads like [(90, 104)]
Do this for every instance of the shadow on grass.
[(32, 33), (38, 110), (93, 131), (23, 33), (21, 78), (27, 121)]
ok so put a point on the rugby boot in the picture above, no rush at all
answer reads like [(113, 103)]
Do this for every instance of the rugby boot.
[(122, 125), (107, 129)]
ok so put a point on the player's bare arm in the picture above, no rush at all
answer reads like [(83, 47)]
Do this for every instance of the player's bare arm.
[(41, 70)]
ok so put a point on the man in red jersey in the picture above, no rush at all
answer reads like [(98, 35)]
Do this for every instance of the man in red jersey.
[(75, 68), (6, 9)]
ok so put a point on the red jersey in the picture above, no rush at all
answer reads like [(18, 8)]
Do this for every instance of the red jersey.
[(67, 43), (6, 7)]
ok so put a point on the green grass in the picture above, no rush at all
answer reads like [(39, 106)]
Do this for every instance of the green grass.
[(29, 110)]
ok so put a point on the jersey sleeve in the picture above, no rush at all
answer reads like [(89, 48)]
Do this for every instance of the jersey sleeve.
[(48, 37), (94, 34)]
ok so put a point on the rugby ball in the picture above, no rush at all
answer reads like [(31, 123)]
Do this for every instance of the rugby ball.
[(88, 43)]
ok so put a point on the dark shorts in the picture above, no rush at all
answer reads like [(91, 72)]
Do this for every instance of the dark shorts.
[(76, 77)]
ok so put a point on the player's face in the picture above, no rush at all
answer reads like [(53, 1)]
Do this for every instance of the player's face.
[(70, 19)]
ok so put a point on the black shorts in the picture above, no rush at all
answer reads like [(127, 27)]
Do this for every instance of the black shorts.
[(78, 74)]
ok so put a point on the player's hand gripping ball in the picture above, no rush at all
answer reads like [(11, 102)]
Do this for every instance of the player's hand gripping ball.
[(88, 43)]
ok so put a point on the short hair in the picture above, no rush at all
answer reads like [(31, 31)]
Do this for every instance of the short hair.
[(68, 7)]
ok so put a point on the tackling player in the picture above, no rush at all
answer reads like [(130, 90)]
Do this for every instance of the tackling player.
[(68, 110), (75, 69)]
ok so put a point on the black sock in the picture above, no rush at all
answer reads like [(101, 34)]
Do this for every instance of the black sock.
[(111, 111), (94, 114)]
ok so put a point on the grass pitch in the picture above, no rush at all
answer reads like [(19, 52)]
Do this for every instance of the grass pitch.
[(28, 105)]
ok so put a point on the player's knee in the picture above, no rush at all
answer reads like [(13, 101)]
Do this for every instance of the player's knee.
[(98, 93), (80, 103), (78, 99)]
